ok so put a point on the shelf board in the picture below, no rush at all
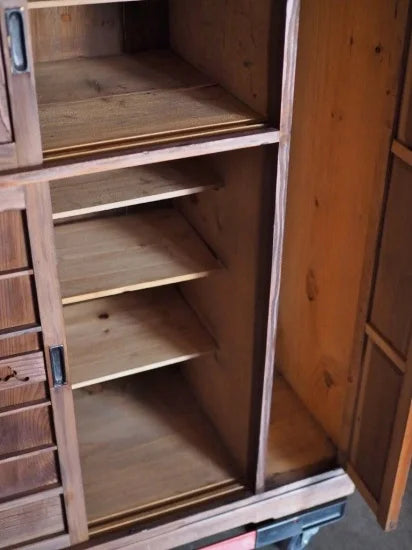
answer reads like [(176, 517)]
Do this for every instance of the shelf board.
[(36, 4), (297, 444), (143, 443), (107, 256), (130, 186), (155, 97), (122, 335)]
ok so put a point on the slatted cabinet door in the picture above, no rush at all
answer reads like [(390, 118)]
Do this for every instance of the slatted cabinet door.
[(381, 449), (20, 143)]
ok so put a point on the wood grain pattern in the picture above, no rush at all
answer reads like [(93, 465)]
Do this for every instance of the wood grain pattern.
[(75, 31), (75, 125), (135, 423), (122, 335), (141, 156), (115, 189), (32, 521), (27, 474), (402, 152), (13, 252), (405, 118), (19, 344), (93, 77), (5, 125), (334, 201), (21, 370), (25, 430), (111, 255), (17, 308), (40, 226), (296, 443), (392, 303)]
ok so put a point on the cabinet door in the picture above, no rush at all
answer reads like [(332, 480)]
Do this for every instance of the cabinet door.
[(381, 450), (20, 143)]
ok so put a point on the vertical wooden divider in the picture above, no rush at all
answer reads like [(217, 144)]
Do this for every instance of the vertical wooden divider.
[(40, 228), (286, 113)]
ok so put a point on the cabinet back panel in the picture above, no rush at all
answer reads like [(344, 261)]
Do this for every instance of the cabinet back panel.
[(98, 29), (228, 220)]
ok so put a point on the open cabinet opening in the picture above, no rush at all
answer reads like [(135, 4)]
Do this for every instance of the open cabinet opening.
[(130, 63)]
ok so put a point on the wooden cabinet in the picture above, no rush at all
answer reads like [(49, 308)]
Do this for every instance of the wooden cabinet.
[(141, 231)]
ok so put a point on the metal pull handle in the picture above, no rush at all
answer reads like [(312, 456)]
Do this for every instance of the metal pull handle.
[(16, 40), (58, 366)]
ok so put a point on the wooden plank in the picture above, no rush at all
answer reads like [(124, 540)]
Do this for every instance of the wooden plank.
[(384, 346), (131, 186), (75, 125), (107, 256), (37, 4), (40, 225), (24, 475), (8, 334), (334, 200), (25, 430), (16, 408), (123, 335), (6, 135), (15, 273), (402, 152), (391, 311), (32, 521), (405, 118), (93, 77), (17, 307), (36, 451), (22, 370), (143, 156), (275, 504), (78, 31), (296, 443), (11, 199), (13, 250), (135, 423), (30, 497), (61, 542)]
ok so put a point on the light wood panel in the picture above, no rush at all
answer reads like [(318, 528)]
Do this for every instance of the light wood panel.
[(112, 255), (17, 307), (115, 189), (334, 199), (122, 335), (297, 445), (88, 103), (24, 431), (22, 370), (13, 251), (150, 430), (93, 77)]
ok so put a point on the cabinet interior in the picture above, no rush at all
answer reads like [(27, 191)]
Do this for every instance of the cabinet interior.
[(160, 266)]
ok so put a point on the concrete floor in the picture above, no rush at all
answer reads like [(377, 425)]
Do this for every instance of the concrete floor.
[(359, 530)]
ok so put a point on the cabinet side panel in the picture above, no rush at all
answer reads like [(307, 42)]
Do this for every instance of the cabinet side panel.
[(348, 71)]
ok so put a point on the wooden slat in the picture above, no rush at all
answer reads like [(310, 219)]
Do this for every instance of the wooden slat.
[(36, 4), (15, 273), (384, 346), (29, 498), (402, 152), (405, 118), (40, 225), (13, 250), (297, 445), (83, 78), (32, 521), (12, 457), (122, 335), (142, 156), (25, 430), (27, 474), (22, 370), (115, 189), (17, 305), (108, 256), (15, 409), (134, 424)]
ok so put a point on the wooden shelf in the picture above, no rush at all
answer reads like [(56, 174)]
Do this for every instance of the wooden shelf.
[(144, 443), (106, 256), (297, 445), (36, 4), (119, 188), (155, 97), (122, 335)]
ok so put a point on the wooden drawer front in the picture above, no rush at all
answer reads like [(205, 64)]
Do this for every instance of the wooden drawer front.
[(13, 247), (25, 430), (25, 523), (27, 474), (16, 372), (17, 304)]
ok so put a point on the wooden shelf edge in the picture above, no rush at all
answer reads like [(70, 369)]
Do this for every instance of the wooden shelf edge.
[(15, 273), (137, 370), (141, 156), (133, 288), (15, 409)]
